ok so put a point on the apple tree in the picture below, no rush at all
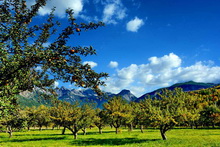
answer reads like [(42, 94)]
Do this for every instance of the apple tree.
[(101, 119), (117, 111), (26, 47), (170, 108)]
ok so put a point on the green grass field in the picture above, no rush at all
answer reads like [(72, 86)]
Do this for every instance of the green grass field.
[(151, 137)]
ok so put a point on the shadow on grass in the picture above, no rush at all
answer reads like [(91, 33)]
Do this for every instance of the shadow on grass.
[(96, 133), (40, 134), (34, 139), (115, 141)]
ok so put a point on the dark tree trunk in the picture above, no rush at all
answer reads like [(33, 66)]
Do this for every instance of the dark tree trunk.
[(100, 130), (84, 131), (40, 128), (74, 131), (63, 131), (130, 127), (142, 129), (163, 134), (116, 130), (196, 124), (9, 131), (10, 134), (213, 125), (163, 130), (75, 135)]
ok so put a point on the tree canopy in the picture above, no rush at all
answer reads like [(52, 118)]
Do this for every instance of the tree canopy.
[(26, 47)]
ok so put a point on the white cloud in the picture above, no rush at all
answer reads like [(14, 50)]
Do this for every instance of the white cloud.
[(160, 72), (61, 6), (38, 68), (113, 64), (113, 11), (56, 83), (135, 24), (91, 63)]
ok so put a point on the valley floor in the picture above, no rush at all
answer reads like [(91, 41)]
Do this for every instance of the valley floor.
[(151, 137)]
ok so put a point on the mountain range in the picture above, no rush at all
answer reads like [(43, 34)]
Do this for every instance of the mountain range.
[(88, 95)]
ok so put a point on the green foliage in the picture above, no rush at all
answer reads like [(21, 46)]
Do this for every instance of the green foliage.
[(101, 119), (31, 116), (15, 121), (22, 50), (171, 108), (118, 111), (167, 110), (73, 117), (42, 116)]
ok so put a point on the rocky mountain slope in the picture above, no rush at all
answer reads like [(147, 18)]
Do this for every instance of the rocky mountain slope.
[(88, 95)]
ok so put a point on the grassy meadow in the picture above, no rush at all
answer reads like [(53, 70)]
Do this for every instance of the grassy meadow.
[(151, 137)]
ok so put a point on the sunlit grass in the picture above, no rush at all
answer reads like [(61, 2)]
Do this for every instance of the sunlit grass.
[(151, 137)]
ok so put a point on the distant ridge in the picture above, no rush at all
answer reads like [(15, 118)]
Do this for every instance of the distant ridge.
[(186, 86), (88, 95)]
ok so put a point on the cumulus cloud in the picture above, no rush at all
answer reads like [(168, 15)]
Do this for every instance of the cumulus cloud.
[(38, 68), (91, 63), (56, 83), (160, 72), (134, 24), (113, 64), (61, 6), (113, 11)]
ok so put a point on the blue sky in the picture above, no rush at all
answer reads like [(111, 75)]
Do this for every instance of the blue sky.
[(148, 44)]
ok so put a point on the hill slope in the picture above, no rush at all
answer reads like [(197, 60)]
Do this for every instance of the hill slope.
[(186, 86), (88, 95)]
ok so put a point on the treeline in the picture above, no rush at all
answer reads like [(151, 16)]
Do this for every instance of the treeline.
[(164, 111)]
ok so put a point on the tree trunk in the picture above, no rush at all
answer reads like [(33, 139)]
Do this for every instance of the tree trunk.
[(74, 131), (84, 131), (63, 131), (196, 124), (100, 130), (142, 129), (117, 129), (130, 127), (111, 126), (28, 128), (40, 128), (163, 134), (75, 135), (10, 134), (9, 131), (213, 125)]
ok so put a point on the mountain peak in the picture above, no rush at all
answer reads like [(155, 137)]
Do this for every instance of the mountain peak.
[(125, 91), (126, 94)]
